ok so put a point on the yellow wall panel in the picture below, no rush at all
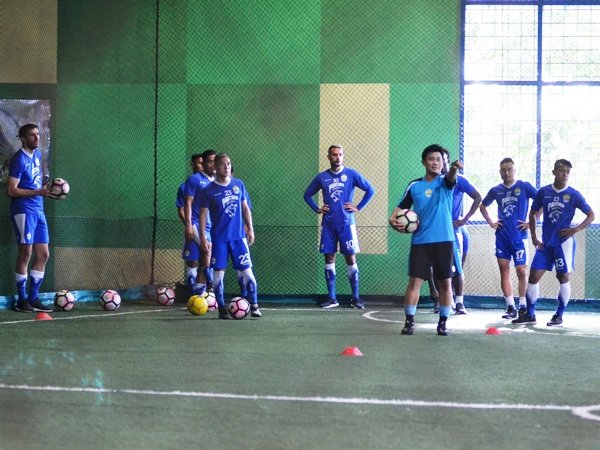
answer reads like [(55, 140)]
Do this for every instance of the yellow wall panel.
[(358, 117), (28, 41)]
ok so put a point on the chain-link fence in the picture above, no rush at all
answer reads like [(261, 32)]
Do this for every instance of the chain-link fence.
[(142, 85)]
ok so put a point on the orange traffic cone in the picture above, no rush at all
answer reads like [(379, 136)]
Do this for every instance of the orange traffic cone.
[(351, 351), (493, 330), (43, 316)]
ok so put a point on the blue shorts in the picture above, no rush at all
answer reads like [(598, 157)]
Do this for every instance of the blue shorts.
[(345, 235), (238, 250), (561, 257), (517, 250), (457, 259), (30, 228), (191, 249), (461, 237)]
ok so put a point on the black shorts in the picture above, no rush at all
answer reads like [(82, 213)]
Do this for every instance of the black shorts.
[(438, 256)]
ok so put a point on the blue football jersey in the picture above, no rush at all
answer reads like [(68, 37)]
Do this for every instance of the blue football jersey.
[(224, 205), (462, 187), (432, 201), (513, 206), (193, 186), (338, 188), (27, 169), (558, 211)]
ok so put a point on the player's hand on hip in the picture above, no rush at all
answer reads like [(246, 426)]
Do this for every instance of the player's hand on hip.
[(567, 232), (323, 209), (522, 225), (350, 207)]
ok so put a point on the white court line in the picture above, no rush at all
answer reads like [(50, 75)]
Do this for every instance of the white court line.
[(165, 309), (472, 323), (104, 314), (580, 411)]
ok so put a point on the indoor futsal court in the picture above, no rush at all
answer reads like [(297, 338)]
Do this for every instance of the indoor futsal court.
[(149, 377), (300, 130)]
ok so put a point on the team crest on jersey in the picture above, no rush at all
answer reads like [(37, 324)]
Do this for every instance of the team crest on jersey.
[(428, 192), (236, 190), (517, 191), (230, 202), (344, 177), (566, 198)]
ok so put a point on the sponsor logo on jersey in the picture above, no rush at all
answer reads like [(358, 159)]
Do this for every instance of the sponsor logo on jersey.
[(336, 190)]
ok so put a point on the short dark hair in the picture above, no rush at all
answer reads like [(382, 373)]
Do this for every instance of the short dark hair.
[(340, 146), (434, 148), (194, 157), (564, 162), (507, 160), (207, 153), (26, 128)]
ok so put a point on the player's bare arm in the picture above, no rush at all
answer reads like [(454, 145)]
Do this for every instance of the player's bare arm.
[(495, 224), (476, 196), (247, 216), (533, 215), (453, 171), (13, 191), (204, 244), (189, 231)]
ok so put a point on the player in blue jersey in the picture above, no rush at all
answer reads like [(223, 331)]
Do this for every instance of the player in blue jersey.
[(432, 244), (512, 198), (461, 235), (232, 232), (558, 203), (27, 194), (202, 279), (191, 249), (239, 273), (337, 185)]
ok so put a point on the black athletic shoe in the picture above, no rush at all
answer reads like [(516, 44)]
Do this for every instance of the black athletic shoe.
[(223, 313), (254, 311), (460, 309), (556, 321), (409, 327), (24, 306), (441, 328), (511, 313), (330, 303), (357, 303), (39, 307), (524, 319)]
